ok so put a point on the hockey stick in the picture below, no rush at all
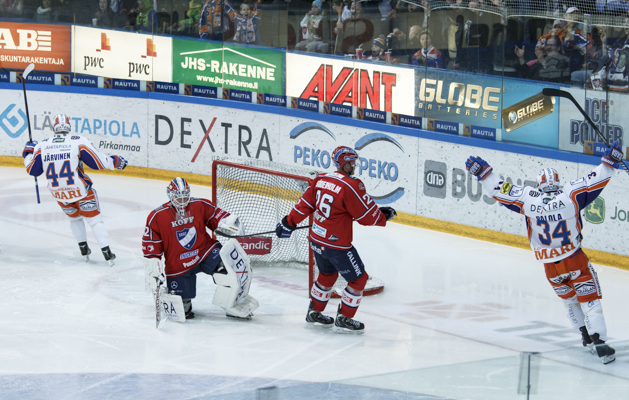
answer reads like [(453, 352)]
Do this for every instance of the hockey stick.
[(567, 95), (254, 234), (157, 306), (27, 71)]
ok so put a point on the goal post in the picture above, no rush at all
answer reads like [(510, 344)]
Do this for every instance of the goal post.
[(261, 193)]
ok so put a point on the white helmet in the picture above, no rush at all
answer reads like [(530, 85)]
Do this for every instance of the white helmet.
[(548, 180), (179, 194), (61, 124)]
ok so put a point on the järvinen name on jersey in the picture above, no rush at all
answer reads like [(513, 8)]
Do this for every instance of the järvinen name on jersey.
[(56, 157)]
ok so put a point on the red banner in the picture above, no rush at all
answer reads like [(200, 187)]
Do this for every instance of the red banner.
[(46, 46), (256, 245)]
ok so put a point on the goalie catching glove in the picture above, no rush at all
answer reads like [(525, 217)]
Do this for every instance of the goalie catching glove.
[(388, 212), (613, 155), (284, 229), (231, 225), (478, 167)]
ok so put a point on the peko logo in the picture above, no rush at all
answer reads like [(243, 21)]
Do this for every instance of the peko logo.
[(382, 170), (256, 245), (13, 121)]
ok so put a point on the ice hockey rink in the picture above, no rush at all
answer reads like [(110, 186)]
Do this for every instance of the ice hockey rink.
[(453, 321)]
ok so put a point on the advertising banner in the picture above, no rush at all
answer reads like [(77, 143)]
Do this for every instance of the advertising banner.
[(234, 67), (607, 111), (121, 55), (46, 46), (359, 84)]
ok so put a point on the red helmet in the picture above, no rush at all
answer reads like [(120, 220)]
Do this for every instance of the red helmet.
[(179, 194), (343, 155)]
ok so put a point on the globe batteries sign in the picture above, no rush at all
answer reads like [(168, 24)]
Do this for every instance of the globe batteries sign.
[(527, 111)]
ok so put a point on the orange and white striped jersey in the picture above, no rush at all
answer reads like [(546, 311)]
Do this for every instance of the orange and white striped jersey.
[(553, 220), (61, 158)]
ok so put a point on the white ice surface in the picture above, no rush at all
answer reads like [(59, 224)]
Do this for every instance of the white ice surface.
[(454, 316)]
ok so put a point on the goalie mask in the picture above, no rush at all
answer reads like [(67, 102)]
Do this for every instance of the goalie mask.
[(179, 195), (343, 155), (548, 180), (61, 124)]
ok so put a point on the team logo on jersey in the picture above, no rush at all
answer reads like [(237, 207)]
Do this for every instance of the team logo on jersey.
[(595, 211), (187, 237)]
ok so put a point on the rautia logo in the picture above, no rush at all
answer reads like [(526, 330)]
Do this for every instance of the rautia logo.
[(365, 167), (13, 121), (256, 245)]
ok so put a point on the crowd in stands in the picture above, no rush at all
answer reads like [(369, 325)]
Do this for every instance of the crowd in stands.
[(547, 40)]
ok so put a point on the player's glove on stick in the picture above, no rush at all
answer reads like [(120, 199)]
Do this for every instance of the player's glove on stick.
[(613, 155), (388, 212), (29, 148), (478, 167), (283, 229), (119, 162)]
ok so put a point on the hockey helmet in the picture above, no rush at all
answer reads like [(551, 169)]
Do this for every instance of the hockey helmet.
[(548, 180), (343, 155), (179, 194), (61, 124)]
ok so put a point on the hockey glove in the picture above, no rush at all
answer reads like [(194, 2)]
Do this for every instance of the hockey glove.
[(119, 162), (283, 229), (29, 148), (478, 167), (388, 212), (611, 158)]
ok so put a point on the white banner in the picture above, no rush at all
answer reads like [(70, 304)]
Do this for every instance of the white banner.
[(121, 55), (364, 84)]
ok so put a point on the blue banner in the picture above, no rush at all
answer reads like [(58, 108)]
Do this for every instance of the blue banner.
[(41, 78), (442, 126), (202, 91), (479, 132), (84, 80), (337, 109), (164, 87), (271, 99), (305, 104), (371, 115), (237, 95), (5, 76), (406, 120), (121, 84)]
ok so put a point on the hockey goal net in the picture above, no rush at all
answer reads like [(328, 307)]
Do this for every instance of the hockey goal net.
[(262, 193)]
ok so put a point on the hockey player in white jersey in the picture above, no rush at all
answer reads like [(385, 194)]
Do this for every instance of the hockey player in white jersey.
[(553, 222), (61, 158)]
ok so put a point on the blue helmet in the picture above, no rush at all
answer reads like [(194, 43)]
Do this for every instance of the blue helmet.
[(343, 155), (179, 194)]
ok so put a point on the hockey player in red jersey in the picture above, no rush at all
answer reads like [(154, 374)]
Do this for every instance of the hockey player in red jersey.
[(553, 221), (176, 231), (62, 157), (337, 200)]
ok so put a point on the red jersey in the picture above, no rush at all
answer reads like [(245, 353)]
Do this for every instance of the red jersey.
[(183, 241), (337, 201)]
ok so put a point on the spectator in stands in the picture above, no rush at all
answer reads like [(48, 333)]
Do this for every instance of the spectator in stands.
[(550, 65), (105, 15), (64, 11), (428, 55), (213, 22), (191, 23), (612, 7), (44, 11), (594, 59), (615, 75), (353, 33), (247, 25), (377, 50), (146, 19), (11, 8), (311, 27)]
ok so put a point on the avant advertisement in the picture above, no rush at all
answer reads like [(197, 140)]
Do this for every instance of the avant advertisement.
[(387, 161), (362, 84), (121, 55), (607, 111), (223, 65), (47, 46), (115, 125)]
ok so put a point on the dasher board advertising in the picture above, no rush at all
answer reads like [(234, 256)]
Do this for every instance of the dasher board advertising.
[(46, 46)]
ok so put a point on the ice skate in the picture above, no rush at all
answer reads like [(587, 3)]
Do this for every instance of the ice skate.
[(586, 339), (315, 317), (109, 256), (345, 324), (85, 250), (187, 307), (604, 352)]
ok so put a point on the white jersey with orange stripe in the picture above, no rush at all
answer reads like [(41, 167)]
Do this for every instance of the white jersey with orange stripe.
[(61, 159), (553, 220)]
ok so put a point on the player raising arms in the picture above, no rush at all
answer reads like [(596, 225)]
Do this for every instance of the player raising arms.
[(62, 157), (176, 230), (553, 221), (337, 199)]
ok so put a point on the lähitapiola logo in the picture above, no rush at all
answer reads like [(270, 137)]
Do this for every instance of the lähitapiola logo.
[(366, 167), (13, 121)]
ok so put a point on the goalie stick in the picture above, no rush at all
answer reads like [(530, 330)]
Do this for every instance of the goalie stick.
[(254, 234), (567, 95), (25, 74)]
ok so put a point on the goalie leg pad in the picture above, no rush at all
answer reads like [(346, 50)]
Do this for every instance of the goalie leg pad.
[(232, 290), (184, 285)]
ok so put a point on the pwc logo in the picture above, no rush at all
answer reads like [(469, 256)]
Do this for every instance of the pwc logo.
[(256, 245)]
